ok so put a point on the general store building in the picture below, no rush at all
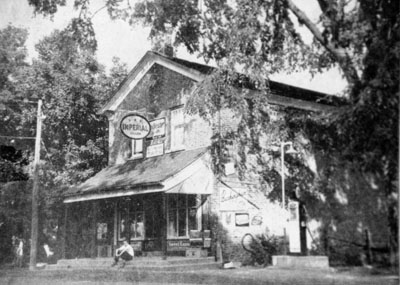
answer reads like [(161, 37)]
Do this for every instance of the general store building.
[(160, 191)]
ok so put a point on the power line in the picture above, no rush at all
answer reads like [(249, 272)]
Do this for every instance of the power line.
[(18, 101), (14, 137)]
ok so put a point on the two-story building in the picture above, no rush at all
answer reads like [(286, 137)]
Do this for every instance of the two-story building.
[(159, 189)]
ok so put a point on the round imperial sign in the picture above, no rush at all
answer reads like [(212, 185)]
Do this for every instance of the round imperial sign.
[(135, 127)]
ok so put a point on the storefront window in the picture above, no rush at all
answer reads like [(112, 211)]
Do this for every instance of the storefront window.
[(182, 214), (105, 221), (192, 208), (122, 222), (137, 225), (173, 215), (131, 219), (172, 224), (102, 231)]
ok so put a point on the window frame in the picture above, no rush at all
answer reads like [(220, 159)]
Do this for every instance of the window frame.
[(137, 149), (177, 129), (175, 211), (238, 225), (129, 213)]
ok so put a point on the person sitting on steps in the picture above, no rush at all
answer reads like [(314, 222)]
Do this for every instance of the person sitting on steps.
[(125, 252)]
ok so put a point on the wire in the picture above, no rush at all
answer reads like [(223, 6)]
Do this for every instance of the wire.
[(19, 101), (13, 137)]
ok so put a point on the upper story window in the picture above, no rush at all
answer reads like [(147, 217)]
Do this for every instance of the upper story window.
[(136, 149), (177, 129)]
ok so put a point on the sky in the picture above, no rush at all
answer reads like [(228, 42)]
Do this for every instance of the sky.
[(118, 39)]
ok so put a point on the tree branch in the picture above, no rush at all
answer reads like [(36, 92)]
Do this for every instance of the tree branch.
[(98, 10), (340, 54)]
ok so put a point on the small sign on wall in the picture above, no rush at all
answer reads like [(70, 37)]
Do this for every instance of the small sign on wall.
[(242, 219), (178, 245), (155, 150), (157, 128), (137, 245)]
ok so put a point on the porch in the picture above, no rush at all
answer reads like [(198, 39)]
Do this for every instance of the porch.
[(154, 224), (159, 204)]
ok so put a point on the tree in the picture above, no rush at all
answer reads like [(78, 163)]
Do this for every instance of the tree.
[(73, 86), (360, 37), (12, 61), (262, 37)]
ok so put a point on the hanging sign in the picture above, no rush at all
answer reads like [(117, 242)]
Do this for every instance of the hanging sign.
[(135, 127)]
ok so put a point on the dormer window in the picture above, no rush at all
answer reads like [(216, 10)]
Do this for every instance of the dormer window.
[(177, 129), (136, 149)]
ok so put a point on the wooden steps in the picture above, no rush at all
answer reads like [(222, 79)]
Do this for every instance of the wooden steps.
[(138, 263)]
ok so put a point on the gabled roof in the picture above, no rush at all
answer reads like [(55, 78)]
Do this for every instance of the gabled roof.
[(281, 94), (137, 73)]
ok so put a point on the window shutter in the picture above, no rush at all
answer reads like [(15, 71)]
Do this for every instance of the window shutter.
[(177, 129)]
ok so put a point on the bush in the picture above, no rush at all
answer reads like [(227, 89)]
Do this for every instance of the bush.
[(262, 248)]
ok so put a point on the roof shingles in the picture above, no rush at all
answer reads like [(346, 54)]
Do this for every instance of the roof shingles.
[(137, 173)]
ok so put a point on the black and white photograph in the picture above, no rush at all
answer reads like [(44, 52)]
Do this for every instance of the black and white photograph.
[(199, 142)]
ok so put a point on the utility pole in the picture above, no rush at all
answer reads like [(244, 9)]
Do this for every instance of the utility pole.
[(35, 190)]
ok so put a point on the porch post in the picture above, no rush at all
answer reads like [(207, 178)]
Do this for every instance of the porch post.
[(64, 239), (164, 226), (115, 242), (129, 219), (94, 234)]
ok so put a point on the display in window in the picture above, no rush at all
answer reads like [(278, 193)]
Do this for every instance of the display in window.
[(182, 214), (131, 219), (172, 223), (137, 226), (123, 229), (102, 231)]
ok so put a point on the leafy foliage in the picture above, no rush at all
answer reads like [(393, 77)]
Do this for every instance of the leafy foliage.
[(12, 60), (73, 86), (12, 164), (258, 38)]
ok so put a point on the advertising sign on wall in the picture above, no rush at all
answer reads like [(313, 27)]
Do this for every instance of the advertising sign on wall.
[(135, 127), (178, 245), (155, 150), (293, 228), (157, 128)]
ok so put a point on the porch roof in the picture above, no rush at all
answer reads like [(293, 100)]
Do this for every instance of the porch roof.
[(138, 176)]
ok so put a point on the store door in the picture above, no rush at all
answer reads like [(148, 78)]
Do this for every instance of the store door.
[(153, 222)]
